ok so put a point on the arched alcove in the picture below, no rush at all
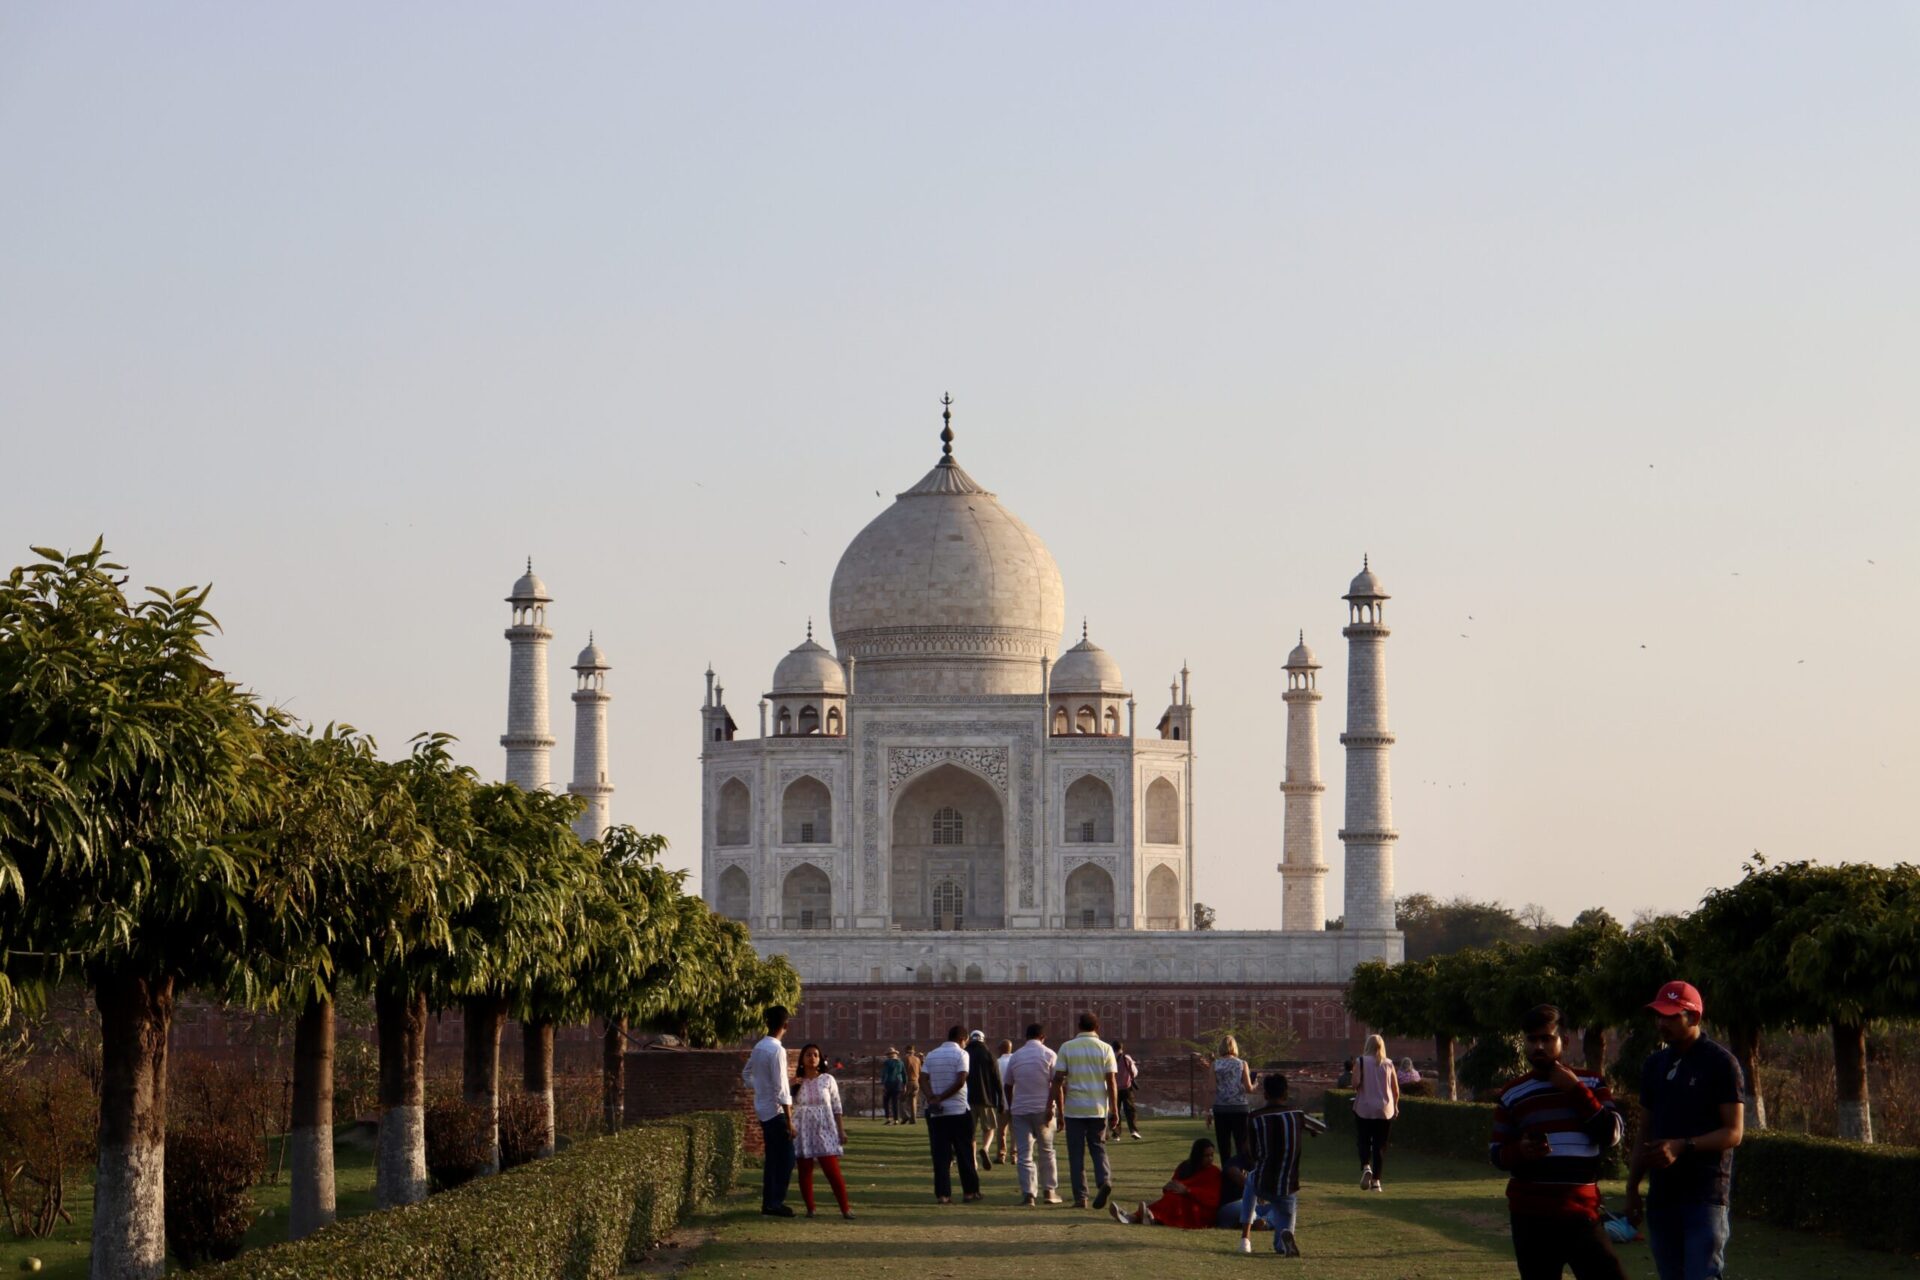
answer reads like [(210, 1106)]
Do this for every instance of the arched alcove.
[(806, 812), (1086, 721), (833, 722), (1062, 726), (734, 898), (1163, 813), (806, 899), (1163, 899), (733, 820), (947, 835), (809, 719), (1090, 898), (1112, 722), (1088, 811)]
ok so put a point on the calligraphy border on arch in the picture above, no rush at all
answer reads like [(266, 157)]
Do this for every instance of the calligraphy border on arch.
[(1021, 765)]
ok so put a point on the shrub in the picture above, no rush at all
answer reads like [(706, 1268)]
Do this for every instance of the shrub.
[(523, 1123), (1491, 1062), (576, 1216), (457, 1145), (209, 1169), (47, 1126)]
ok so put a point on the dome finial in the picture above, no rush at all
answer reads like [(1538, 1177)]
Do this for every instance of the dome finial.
[(589, 635), (946, 428), (1303, 635), (1083, 628), (809, 628), (529, 564), (1366, 562)]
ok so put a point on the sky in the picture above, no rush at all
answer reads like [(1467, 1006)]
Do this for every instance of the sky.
[(1595, 329)]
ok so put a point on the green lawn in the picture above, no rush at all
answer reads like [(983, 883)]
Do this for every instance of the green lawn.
[(1437, 1218), (64, 1254)]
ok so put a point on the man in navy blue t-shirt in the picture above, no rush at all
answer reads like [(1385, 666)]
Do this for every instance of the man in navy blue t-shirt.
[(1691, 1093)]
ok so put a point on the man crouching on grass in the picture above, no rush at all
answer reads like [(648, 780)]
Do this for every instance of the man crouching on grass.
[(1551, 1129)]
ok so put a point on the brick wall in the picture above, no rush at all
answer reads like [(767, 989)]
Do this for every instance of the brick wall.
[(669, 1082)]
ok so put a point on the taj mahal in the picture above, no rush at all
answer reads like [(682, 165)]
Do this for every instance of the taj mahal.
[(945, 797)]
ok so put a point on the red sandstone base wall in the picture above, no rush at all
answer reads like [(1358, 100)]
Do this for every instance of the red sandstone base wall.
[(671, 1082)]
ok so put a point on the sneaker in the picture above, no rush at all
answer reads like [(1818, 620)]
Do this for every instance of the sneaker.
[(1366, 1177), (1246, 1245), (1100, 1196), (1119, 1214), (1135, 1135), (1288, 1249), (1379, 1185)]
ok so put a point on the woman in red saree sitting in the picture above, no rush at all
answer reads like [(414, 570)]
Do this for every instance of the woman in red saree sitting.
[(1190, 1200)]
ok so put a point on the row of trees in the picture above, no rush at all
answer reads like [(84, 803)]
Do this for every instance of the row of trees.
[(161, 829), (1793, 945)]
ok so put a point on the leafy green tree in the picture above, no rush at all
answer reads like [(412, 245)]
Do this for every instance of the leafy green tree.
[(1439, 996), (152, 761), (1559, 971), (712, 987), (1434, 928)]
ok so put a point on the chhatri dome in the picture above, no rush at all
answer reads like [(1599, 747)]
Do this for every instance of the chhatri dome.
[(947, 592), (1087, 668), (809, 668)]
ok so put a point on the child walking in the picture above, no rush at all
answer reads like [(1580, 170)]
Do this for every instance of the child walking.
[(820, 1134), (1275, 1180)]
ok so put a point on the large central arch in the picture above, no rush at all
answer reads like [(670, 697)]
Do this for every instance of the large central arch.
[(948, 852)]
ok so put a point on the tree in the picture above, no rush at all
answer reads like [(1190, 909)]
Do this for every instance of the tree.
[(135, 875), (1433, 927), (1435, 997), (341, 836), (719, 997), (1559, 972), (1203, 916)]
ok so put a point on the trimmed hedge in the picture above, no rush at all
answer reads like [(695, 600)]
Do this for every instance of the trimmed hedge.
[(1813, 1184), (577, 1215)]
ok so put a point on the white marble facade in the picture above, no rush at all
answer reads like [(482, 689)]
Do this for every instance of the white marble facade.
[(941, 800)]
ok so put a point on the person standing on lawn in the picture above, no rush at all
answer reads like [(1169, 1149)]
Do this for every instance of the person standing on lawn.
[(893, 1077), (820, 1133), (1693, 1095), (1002, 1057), (1376, 1101), (949, 1120), (1084, 1092), (1126, 1072), (1552, 1129), (766, 1074), (1029, 1082), (910, 1096)]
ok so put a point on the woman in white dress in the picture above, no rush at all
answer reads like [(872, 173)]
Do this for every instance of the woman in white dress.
[(820, 1135)]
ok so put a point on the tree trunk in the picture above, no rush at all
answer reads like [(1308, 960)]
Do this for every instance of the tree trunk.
[(1448, 1085), (536, 1075), (1593, 1047), (129, 1191), (1850, 1081), (400, 1161), (483, 1018), (613, 1075), (312, 1138), (1745, 1043)]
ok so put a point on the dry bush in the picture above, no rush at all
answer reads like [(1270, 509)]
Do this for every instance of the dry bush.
[(48, 1124), (210, 1167), (237, 1095), (576, 1106), (523, 1123), (1796, 1078), (457, 1145)]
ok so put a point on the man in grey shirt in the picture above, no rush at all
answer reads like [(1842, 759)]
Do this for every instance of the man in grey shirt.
[(1029, 1093)]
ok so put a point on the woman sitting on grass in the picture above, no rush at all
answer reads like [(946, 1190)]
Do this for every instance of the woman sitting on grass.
[(1192, 1199)]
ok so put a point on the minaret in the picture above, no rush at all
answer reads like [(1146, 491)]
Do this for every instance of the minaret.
[(1368, 834), (527, 739), (590, 699), (1303, 869)]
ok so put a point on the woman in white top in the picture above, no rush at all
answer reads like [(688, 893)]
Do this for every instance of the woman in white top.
[(1376, 1101), (820, 1134)]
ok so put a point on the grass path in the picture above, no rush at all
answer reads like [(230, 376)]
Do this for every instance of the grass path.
[(1437, 1219)]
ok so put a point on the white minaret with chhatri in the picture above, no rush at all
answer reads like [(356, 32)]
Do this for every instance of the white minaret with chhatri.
[(528, 740), (1368, 834), (1303, 869), (590, 699)]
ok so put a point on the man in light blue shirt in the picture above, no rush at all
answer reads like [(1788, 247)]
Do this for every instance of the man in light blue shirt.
[(766, 1074)]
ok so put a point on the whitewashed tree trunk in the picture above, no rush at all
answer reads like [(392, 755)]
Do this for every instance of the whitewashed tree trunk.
[(1855, 1120), (536, 1076), (400, 1158), (310, 1146), (483, 1018), (129, 1196)]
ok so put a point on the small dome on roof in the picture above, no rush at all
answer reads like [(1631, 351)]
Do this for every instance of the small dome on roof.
[(1367, 585), (529, 587), (1087, 668), (808, 668), (1301, 657), (592, 657)]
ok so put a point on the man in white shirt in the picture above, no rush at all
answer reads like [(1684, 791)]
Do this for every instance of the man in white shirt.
[(1028, 1078), (943, 1075), (766, 1074)]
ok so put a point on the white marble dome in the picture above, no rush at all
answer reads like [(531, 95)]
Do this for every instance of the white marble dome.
[(947, 592), (809, 668), (1301, 657), (1087, 668), (1366, 585), (529, 587), (592, 658)]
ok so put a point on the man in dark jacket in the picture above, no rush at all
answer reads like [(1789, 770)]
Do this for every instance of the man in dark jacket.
[(984, 1096)]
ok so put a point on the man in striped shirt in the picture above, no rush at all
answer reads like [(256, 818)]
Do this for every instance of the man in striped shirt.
[(1551, 1129), (1277, 1130)]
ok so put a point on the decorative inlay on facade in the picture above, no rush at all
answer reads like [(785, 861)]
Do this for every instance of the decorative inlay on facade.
[(877, 641), (904, 762), (820, 774)]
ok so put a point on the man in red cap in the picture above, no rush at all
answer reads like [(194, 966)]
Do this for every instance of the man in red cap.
[(1691, 1094)]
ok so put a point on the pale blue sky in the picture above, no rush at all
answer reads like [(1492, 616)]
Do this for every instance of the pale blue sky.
[(1597, 328)]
